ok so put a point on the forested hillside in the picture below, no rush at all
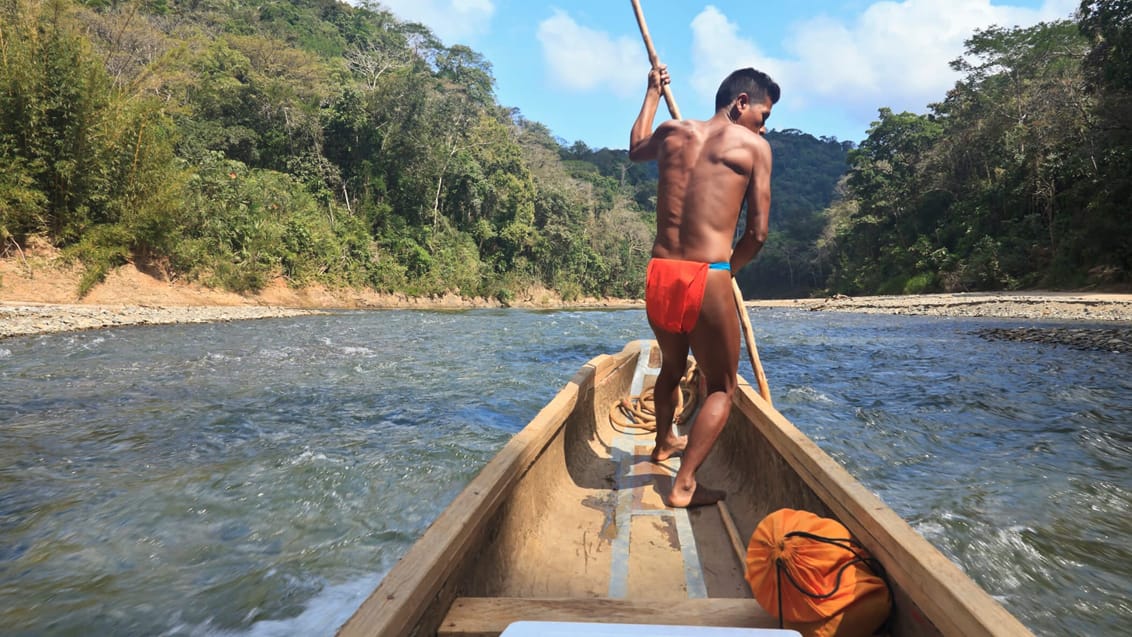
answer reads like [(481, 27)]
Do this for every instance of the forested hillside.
[(1020, 176), (234, 141), (804, 182)]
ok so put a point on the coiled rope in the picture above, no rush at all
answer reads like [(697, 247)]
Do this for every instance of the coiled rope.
[(636, 415)]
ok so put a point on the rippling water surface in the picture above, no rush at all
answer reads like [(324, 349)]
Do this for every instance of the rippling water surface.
[(258, 478)]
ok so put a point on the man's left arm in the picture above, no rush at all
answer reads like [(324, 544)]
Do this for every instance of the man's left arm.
[(758, 208)]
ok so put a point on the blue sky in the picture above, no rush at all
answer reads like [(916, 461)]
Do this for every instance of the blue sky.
[(579, 66)]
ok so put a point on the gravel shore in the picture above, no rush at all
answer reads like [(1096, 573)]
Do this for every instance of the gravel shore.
[(38, 295), (21, 319), (1105, 320), (1053, 306)]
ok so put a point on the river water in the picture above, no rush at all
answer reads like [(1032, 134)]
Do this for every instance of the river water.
[(259, 477)]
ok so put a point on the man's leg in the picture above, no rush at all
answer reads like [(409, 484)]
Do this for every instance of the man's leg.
[(715, 344), (674, 355)]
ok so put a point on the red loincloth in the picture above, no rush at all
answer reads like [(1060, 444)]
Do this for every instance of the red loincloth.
[(674, 293)]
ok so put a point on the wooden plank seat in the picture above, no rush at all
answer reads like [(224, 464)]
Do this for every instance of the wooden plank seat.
[(489, 616)]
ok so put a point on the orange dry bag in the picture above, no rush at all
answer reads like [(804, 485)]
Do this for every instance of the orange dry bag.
[(806, 571)]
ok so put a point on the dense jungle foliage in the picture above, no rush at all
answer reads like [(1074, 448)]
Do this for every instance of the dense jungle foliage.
[(233, 141), (1020, 177)]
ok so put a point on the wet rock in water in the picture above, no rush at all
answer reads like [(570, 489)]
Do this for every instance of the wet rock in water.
[(1114, 339)]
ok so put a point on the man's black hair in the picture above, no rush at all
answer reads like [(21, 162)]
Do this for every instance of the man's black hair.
[(755, 84)]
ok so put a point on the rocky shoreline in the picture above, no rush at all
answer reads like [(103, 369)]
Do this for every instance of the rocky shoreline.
[(1052, 306), (38, 296), (1116, 340), (1104, 321), (29, 319)]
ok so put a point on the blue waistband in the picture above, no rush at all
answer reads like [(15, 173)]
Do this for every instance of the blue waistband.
[(720, 265)]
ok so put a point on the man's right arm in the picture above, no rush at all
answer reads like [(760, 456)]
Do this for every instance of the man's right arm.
[(644, 145), (758, 207)]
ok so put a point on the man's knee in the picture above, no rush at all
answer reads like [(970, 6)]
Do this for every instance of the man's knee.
[(671, 374), (726, 383)]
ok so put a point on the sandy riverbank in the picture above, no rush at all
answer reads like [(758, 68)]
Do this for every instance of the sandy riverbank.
[(38, 296), (1061, 306)]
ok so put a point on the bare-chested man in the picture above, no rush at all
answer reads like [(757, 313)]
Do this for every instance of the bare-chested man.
[(707, 170)]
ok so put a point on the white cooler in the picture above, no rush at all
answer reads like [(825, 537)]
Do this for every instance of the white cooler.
[(586, 629)]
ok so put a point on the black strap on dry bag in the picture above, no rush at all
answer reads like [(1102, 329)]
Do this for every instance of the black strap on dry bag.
[(848, 544)]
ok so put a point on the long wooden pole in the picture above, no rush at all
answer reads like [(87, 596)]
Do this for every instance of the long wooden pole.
[(654, 60), (752, 350), (745, 319)]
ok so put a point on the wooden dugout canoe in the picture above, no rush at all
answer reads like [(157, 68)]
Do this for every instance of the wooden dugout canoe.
[(566, 524)]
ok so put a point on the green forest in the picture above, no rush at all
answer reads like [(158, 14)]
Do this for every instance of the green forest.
[(231, 142), (1019, 177)]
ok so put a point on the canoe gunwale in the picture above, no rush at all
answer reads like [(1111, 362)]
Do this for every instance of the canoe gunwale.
[(406, 593)]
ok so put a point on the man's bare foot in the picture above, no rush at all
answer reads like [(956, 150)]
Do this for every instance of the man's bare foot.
[(697, 496), (671, 447)]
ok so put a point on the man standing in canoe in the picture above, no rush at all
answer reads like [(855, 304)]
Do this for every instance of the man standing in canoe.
[(707, 170)]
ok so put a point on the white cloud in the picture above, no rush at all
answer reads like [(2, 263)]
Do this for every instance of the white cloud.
[(582, 59), (451, 20), (893, 54), (717, 49)]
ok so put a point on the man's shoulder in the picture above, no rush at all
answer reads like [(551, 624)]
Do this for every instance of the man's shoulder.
[(751, 143), (672, 125), (732, 138), (746, 136)]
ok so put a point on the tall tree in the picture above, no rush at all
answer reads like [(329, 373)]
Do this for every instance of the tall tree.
[(1107, 26)]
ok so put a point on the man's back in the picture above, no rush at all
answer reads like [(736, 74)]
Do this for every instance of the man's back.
[(705, 172)]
